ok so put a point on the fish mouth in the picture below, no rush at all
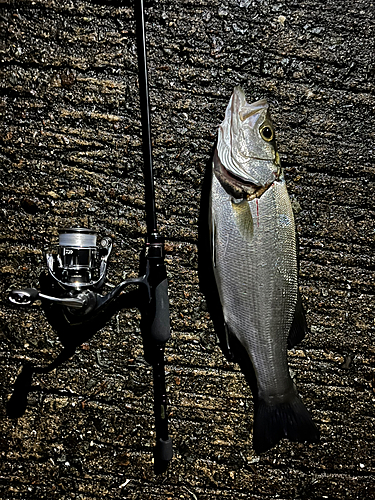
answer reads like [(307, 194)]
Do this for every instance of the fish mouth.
[(236, 186)]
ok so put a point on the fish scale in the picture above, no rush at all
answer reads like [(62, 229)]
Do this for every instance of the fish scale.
[(255, 266), (266, 263)]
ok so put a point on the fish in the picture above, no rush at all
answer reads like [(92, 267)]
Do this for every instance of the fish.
[(254, 257)]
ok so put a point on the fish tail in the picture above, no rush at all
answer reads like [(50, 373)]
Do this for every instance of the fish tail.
[(290, 420)]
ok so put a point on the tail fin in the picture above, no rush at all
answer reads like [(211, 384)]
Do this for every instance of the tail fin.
[(289, 420)]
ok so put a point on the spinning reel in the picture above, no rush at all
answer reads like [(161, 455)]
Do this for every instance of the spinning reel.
[(76, 276)]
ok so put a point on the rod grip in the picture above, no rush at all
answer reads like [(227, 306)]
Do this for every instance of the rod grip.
[(160, 325), (163, 451)]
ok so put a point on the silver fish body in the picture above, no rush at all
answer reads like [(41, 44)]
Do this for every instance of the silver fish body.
[(255, 264)]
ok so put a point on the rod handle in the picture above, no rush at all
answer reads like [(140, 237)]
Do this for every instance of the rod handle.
[(163, 451), (160, 325)]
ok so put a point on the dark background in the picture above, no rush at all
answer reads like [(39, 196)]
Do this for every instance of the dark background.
[(71, 156)]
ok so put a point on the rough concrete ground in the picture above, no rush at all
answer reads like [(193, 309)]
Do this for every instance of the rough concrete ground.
[(71, 155)]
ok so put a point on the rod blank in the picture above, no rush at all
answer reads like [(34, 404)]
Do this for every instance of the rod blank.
[(146, 122)]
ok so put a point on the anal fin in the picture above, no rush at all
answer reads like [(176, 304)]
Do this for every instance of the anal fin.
[(299, 328), (229, 353)]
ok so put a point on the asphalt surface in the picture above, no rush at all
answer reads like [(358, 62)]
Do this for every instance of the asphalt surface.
[(71, 156)]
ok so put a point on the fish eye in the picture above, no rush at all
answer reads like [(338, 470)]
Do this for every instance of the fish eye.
[(266, 132)]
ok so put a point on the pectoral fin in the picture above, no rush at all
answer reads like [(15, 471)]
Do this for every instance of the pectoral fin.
[(243, 218)]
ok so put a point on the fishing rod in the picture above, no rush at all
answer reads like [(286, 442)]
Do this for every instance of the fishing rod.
[(71, 290), (159, 324)]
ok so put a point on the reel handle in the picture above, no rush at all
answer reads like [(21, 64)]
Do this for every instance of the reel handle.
[(23, 297), (27, 296)]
